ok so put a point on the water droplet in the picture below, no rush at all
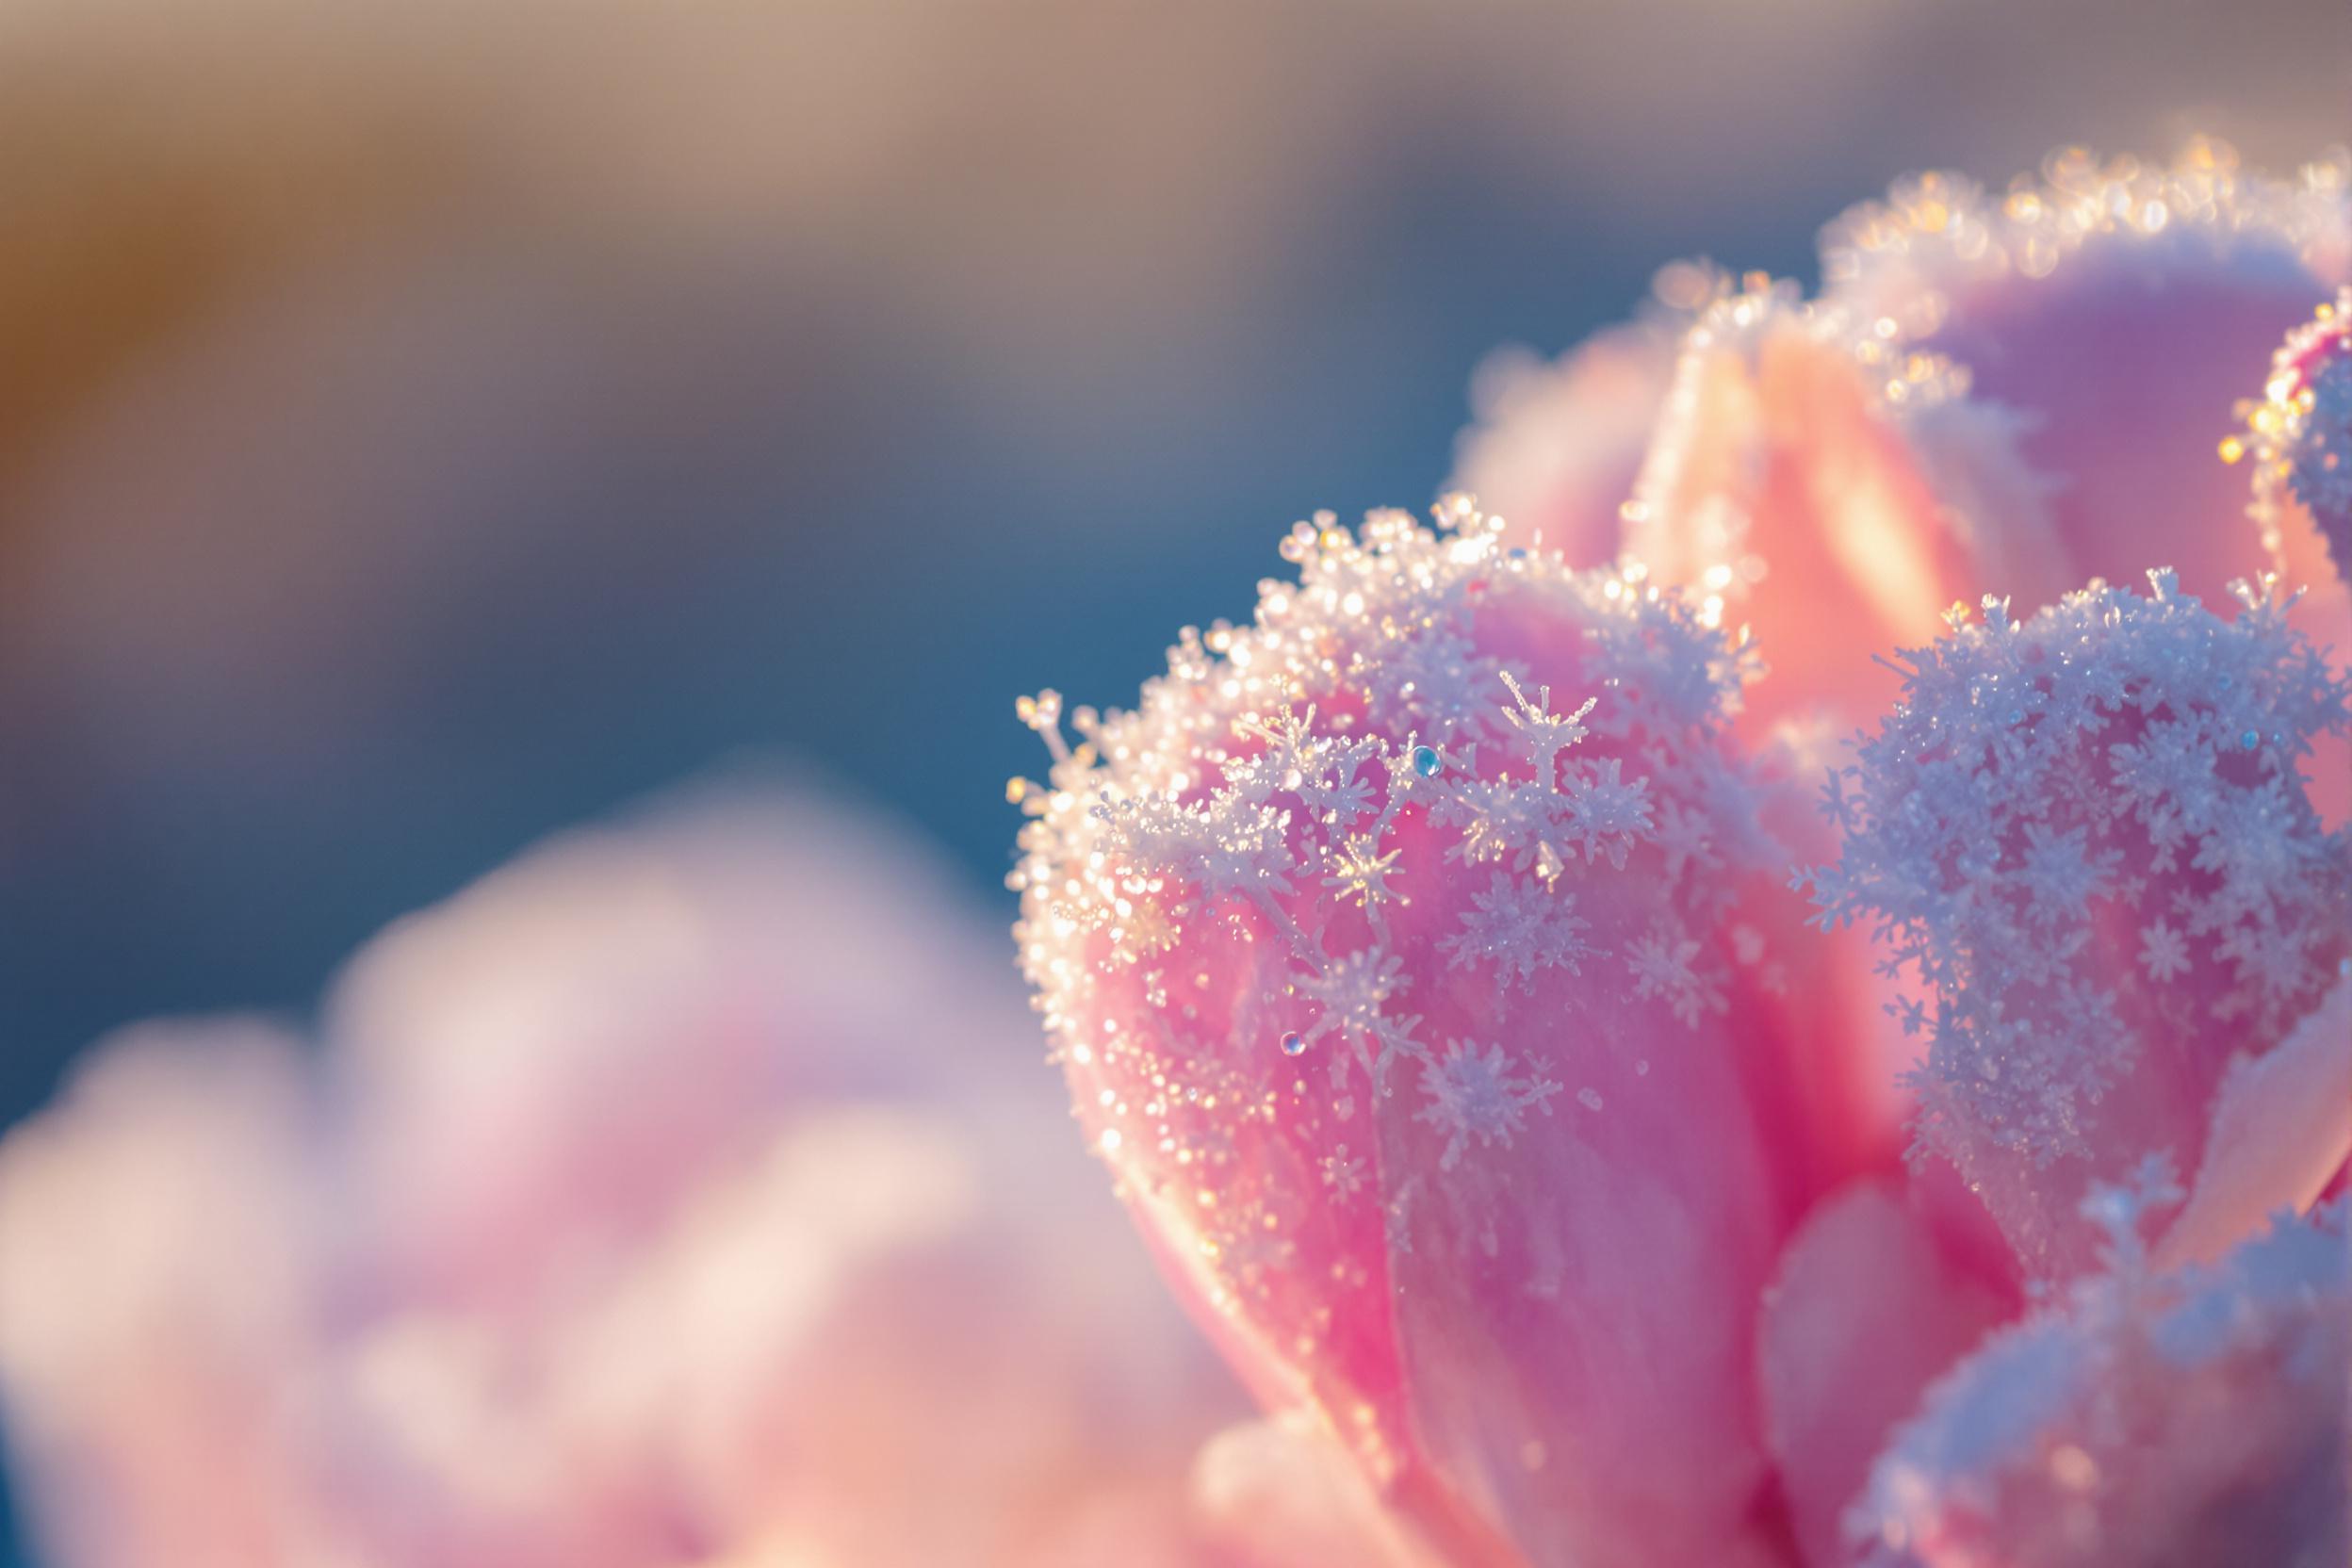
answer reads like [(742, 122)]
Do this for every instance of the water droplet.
[(1589, 1098), (2251, 739), (1294, 1043), (1642, 1067), (1425, 761)]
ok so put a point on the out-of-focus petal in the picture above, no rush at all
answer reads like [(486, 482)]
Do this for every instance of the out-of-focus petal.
[(1436, 1027), (2146, 1423), (1782, 487), (2116, 311), (2007, 398), (1557, 446), (158, 1241), (856, 1303), (2087, 832), (500, 1107), (1866, 1312), (1282, 1494)]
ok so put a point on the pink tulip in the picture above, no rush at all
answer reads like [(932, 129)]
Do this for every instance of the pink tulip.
[(1421, 963)]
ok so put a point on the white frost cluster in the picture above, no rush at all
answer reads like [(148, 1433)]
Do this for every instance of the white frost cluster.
[(2086, 830), (1367, 743)]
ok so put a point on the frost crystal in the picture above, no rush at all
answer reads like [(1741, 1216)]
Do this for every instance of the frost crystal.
[(1475, 1094), (2088, 834), (1521, 927)]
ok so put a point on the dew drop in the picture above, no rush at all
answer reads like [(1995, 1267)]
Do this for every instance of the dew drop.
[(1589, 1098), (2251, 739), (1426, 762), (1294, 1043)]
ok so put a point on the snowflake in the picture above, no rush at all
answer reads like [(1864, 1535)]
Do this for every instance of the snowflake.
[(1503, 822), (1473, 1094), (1359, 870), (1344, 1174), (1606, 813), (2163, 951), (1293, 750), (1661, 963), (1547, 734), (1351, 990), (1521, 927), (2061, 878)]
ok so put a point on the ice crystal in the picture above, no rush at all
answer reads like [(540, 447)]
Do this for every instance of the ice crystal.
[(1474, 1093), (2064, 830), (1665, 963), (1520, 926)]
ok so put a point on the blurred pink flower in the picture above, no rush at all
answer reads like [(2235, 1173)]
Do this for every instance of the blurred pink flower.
[(682, 1194), (1424, 959)]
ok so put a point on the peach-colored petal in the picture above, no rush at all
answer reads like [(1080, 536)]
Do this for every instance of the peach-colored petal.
[(1867, 1309)]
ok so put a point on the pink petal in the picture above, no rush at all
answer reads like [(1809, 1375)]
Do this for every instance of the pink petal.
[(1278, 1493), (2281, 1130), (2119, 311), (1867, 1309), (2196, 1419), (2006, 398), (1557, 446), (1781, 483)]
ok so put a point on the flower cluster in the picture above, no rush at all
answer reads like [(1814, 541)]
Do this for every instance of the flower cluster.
[(1632, 1163)]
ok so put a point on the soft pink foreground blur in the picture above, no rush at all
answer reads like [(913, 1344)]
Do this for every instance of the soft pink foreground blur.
[(686, 1193)]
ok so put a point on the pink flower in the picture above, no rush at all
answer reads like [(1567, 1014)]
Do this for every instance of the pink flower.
[(1422, 959), (683, 1193)]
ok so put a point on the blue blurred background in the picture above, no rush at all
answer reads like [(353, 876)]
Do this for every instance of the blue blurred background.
[(422, 430)]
